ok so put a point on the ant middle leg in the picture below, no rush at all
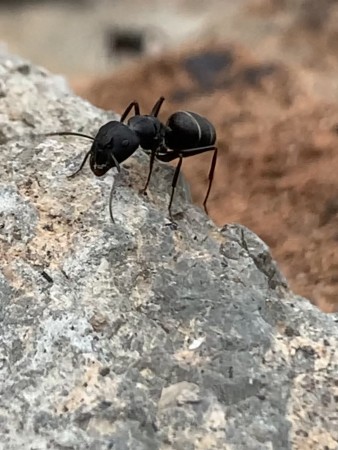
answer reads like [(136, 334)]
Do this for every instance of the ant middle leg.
[(157, 107), (81, 166), (151, 165), (132, 105), (173, 186)]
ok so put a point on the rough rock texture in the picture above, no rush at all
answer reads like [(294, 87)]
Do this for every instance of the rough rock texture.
[(278, 142), (133, 335), (276, 171)]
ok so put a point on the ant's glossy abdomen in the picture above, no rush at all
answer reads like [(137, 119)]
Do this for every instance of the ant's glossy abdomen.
[(186, 129)]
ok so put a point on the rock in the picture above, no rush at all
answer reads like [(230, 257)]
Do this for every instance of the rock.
[(134, 335), (277, 141)]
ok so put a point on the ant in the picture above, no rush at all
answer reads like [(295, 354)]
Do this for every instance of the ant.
[(185, 134)]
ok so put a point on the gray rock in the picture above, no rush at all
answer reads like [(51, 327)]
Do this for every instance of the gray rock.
[(133, 335)]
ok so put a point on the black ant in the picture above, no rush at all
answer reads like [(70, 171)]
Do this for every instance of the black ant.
[(185, 134)]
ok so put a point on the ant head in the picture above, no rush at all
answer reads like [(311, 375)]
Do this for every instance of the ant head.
[(100, 160), (113, 144)]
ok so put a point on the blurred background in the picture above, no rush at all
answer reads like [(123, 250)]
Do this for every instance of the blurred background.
[(265, 72)]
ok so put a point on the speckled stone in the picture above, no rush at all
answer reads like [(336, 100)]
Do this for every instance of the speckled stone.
[(135, 336)]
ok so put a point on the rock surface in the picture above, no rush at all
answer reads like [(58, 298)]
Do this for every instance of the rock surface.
[(277, 145), (134, 335)]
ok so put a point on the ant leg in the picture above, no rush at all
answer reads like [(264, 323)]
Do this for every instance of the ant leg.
[(211, 177), (186, 152), (132, 105), (81, 167), (67, 133), (157, 107), (173, 184), (151, 165), (167, 157)]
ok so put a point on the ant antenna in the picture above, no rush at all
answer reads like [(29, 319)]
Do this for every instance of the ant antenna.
[(68, 133)]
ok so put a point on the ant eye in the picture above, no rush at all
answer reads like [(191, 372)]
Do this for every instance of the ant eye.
[(125, 143)]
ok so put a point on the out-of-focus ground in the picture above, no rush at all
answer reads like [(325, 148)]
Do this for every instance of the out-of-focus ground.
[(265, 72), (71, 36)]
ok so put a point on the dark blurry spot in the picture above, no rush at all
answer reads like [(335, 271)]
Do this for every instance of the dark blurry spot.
[(302, 433), (253, 75), (125, 41), (83, 419), (64, 274), (290, 332), (47, 277), (307, 351), (19, 3), (178, 215), (104, 371), (329, 212), (313, 15), (205, 67), (105, 404), (273, 173), (24, 69), (180, 95), (48, 227)]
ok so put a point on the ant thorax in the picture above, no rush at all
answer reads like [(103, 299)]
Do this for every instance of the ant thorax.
[(149, 130)]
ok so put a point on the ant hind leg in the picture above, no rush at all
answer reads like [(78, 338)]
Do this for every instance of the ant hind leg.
[(173, 224), (210, 177)]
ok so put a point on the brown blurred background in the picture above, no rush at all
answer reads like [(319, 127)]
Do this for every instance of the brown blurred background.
[(265, 72)]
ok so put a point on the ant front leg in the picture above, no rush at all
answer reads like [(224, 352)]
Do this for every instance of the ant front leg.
[(132, 105), (73, 133), (81, 167)]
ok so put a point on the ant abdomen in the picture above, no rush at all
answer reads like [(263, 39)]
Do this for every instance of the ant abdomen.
[(186, 129)]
